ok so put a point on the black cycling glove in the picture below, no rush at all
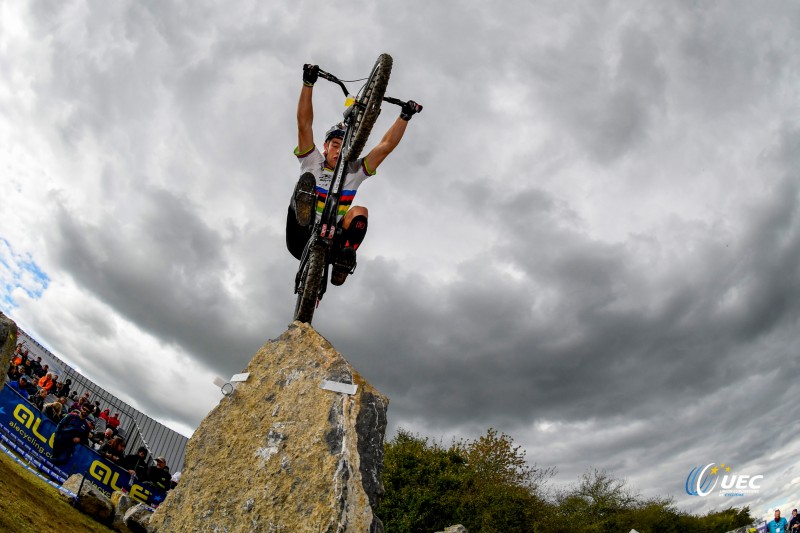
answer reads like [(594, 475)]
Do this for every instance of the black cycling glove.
[(310, 75), (409, 109)]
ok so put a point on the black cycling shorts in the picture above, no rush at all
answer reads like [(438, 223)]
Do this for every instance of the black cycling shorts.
[(296, 235)]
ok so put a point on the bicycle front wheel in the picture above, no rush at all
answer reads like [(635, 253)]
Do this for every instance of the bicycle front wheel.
[(369, 105), (312, 278)]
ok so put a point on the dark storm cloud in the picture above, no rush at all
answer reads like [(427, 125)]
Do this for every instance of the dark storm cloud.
[(150, 270), (558, 341)]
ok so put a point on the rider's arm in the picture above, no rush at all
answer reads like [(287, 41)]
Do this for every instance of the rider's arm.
[(305, 119), (388, 143)]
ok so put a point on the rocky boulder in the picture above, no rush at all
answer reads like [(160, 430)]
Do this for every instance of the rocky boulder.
[(8, 341), (458, 528), (137, 518), (121, 503), (297, 447), (90, 500)]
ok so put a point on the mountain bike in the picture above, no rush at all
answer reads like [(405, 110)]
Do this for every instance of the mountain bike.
[(312, 275)]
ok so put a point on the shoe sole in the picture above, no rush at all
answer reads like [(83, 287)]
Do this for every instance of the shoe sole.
[(342, 270), (304, 199)]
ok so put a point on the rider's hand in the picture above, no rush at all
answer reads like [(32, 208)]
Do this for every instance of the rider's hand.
[(409, 109), (310, 74)]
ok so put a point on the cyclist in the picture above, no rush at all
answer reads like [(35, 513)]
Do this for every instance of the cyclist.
[(317, 168)]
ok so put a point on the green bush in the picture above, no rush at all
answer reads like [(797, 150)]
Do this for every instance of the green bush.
[(488, 486)]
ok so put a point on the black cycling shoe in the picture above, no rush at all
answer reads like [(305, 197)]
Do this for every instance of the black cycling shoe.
[(345, 264), (305, 198)]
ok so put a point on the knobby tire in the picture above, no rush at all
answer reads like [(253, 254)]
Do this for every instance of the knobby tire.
[(312, 278), (373, 93)]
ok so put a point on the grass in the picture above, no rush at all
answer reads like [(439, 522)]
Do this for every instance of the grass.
[(29, 505)]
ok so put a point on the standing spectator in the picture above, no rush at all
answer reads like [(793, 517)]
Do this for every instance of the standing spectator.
[(53, 410), (778, 525), (113, 450), (36, 367), (66, 388), (794, 523), (71, 431), (136, 464), (104, 415), (96, 412), (58, 389), (39, 398), (114, 421), (44, 369), (159, 476), (80, 403), (20, 354), (21, 386), (14, 372), (32, 388), (73, 396)]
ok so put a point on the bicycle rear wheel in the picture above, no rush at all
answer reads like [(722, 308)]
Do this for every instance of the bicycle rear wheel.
[(369, 105), (312, 278)]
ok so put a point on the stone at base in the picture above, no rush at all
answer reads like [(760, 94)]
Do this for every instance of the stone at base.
[(8, 342), (137, 519), (283, 454), (458, 528), (90, 500), (121, 502)]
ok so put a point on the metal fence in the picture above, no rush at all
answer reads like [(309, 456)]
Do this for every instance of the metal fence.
[(138, 428)]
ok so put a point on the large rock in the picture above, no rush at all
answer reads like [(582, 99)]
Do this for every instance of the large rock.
[(121, 503), (137, 519), (90, 500), (8, 341), (283, 454)]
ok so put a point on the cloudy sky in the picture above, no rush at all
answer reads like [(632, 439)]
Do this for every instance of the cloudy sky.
[(589, 238)]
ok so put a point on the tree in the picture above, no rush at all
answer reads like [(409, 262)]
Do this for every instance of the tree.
[(421, 481), (489, 487), (485, 484)]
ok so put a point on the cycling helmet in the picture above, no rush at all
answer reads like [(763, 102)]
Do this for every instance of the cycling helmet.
[(336, 131)]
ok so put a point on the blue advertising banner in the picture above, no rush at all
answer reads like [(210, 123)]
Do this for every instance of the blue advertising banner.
[(24, 429)]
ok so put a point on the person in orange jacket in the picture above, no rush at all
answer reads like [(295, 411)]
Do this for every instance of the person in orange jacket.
[(47, 381)]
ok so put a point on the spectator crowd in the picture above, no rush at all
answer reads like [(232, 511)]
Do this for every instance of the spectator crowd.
[(779, 524), (81, 421)]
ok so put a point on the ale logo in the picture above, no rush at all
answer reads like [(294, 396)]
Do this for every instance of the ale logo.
[(702, 480)]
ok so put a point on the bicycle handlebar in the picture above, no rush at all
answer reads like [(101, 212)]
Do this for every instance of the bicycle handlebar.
[(397, 101), (330, 77)]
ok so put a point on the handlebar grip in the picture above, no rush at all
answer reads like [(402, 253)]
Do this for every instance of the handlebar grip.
[(321, 73), (419, 108)]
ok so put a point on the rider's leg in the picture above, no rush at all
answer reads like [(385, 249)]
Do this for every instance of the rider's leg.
[(304, 199), (354, 228), (296, 235)]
